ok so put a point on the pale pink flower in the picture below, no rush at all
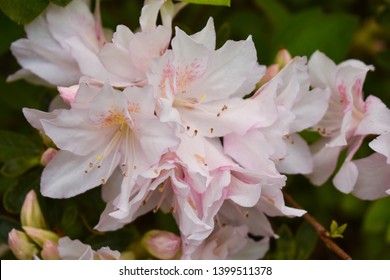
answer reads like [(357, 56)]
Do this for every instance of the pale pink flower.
[(347, 122), (130, 54), (106, 129), (228, 242), (201, 88), (76, 250), (61, 46)]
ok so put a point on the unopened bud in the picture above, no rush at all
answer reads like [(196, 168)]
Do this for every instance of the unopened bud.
[(39, 236), (31, 214), (283, 57), (106, 253), (48, 155), (50, 250), (161, 244), (68, 94), (21, 246)]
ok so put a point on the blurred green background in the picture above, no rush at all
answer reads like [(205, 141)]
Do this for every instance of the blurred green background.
[(341, 29)]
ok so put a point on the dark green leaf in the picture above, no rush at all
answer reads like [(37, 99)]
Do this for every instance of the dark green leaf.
[(6, 225), (313, 30), (116, 240), (14, 145), (377, 217), (14, 197), (285, 244), (17, 166), (306, 238), (274, 10), (71, 223), (209, 2), (9, 32), (6, 183), (62, 3), (23, 11)]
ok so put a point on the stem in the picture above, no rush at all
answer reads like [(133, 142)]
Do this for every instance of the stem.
[(321, 231)]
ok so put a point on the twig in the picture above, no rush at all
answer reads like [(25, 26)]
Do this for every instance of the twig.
[(321, 231)]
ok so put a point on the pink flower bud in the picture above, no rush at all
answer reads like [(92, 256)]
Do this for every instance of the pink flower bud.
[(48, 155), (31, 214), (22, 247), (283, 57), (50, 250), (39, 236), (161, 244), (68, 94)]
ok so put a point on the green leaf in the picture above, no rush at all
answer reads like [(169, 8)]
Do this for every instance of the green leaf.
[(14, 145), (336, 231), (71, 223), (17, 166), (377, 217), (285, 245), (23, 11), (6, 183), (14, 197), (313, 30), (209, 2), (306, 239), (6, 225), (62, 3), (274, 10), (116, 240)]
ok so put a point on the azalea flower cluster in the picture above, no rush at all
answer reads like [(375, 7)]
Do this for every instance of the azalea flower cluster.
[(208, 134)]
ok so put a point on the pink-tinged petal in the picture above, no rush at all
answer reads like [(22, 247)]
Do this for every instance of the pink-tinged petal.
[(244, 194), (299, 159), (381, 145), (149, 14), (80, 174), (373, 181), (117, 60), (233, 70), (252, 151), (74, 250), (322, 70), (324, 162), (140, 100), (87, 59), (34, 117), (309, 109), (28, 76), (146, 46), (153, 139), (74, 20), (376, 118), (206, 36), (252, 217), (346, 177), (254, 250), (50, 63), (218, 118), (272, 204), (68, 94), (75, 132)]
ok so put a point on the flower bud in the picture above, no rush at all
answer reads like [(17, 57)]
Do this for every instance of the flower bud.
[(48, 155), (22, 247), (39, 236), (283, 57), (31, 214), (50, 250), (161, 244)]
